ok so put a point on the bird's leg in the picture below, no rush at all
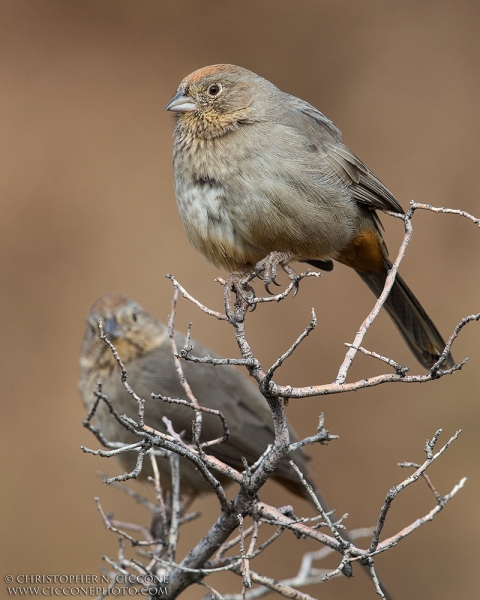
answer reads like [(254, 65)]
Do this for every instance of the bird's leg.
[(266, 268)]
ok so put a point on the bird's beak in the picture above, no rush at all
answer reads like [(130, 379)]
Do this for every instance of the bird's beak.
[(181, 103), (112, 329)]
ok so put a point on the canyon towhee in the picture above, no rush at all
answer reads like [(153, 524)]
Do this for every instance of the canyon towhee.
[(258, 171), (144, 346)]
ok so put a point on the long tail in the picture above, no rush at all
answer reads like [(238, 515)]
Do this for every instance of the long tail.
[(415, 326)]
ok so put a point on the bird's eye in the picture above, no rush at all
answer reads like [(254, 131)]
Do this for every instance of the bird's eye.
[(135, 316), (214, 90)]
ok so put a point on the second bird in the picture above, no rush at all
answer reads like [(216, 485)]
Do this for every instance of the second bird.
[(260, 171)]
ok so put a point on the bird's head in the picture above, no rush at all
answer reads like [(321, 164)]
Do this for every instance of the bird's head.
[(131, 329), (215, 100)]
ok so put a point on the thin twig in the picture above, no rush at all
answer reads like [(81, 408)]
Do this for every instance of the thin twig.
[(395, 490), (364, 327), (281, 359), (246, 580), (202, 307), (174, 460)]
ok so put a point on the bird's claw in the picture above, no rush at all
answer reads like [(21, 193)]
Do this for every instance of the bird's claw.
[(266, 269), (296, 287), (267, 272), (266, 284)]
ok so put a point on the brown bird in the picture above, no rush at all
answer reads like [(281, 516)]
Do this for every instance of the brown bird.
[(144, 346), (258, 171)]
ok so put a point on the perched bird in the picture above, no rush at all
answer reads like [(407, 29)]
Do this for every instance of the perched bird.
[(144, 346), (258, 171)]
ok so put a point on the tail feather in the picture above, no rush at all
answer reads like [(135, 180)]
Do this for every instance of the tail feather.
[(415, 326)]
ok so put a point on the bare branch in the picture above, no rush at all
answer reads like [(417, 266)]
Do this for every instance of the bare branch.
[(400, 369), (394, 491), (199, 563), (140, 401), (205, 409), (446, 211), (202, 307), (245, 565), (365, 326), (175, 520), (281, 359), (197, 427)]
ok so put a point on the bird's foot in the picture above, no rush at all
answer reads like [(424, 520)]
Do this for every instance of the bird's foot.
[(266, 269)]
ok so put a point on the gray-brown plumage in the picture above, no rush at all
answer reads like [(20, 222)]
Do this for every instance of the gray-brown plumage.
[(144, 346), (259, 171)]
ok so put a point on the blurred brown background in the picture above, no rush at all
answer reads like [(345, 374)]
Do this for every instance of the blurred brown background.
[(88, 207)]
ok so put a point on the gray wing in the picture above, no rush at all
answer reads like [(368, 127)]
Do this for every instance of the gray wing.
[(365, 186), (221, 388)]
